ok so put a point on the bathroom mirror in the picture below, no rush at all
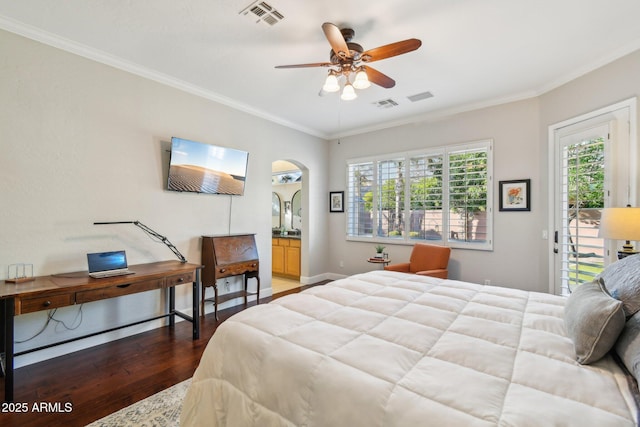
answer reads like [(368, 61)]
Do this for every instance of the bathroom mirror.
[(296, 210), (276, 222)]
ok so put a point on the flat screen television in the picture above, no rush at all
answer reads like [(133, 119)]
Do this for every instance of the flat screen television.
[(196, 167)]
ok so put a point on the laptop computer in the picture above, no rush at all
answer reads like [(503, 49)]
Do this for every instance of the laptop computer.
[(108, 264)]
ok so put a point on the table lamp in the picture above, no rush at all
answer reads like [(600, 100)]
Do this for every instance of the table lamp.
[(621, 224)]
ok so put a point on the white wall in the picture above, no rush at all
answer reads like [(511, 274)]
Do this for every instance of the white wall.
[(84, 142), (515, 133)]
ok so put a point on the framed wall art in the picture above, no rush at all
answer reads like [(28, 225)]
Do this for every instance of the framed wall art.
[(336, 201), (515, 195)]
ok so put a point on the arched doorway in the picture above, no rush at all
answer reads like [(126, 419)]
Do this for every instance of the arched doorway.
[(288, 232)]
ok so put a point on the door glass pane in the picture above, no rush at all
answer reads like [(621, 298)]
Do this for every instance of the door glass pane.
[(583, 180)]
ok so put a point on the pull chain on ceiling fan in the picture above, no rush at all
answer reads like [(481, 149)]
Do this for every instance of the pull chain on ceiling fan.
[(348, 58)]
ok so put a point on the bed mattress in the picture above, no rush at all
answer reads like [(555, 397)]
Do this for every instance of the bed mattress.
[(393, 349)]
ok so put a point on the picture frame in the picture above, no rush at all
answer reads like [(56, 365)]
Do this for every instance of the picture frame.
[(336, 201), (515, 195)]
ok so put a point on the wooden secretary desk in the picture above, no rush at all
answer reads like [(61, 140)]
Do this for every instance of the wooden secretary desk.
[(226, 256)]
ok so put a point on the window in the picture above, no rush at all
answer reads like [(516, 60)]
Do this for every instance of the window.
[(390, 201), (440, 195), (426, 220), (468, 185), (359, 199)]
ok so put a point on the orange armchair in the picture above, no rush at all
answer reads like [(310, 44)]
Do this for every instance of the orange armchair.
[(426, 260)]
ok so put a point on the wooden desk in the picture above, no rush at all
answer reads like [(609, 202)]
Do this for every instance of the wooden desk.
[(226, 256), (60, 290)]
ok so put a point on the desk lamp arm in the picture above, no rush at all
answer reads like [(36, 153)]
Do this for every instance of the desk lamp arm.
[(152, 233)]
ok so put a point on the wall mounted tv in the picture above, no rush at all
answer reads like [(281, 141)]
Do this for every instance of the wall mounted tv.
[(203, 168)]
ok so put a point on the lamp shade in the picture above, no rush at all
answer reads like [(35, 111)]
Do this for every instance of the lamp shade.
[(620, 223), (331, 84), (361, 81), (348, 93)]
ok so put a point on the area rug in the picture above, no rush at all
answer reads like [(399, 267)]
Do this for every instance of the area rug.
[(160, 410)]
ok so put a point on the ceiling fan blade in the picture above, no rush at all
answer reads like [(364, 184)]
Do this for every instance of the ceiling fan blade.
[(389, 50), (379, 78), (336, 40), (315, 64)]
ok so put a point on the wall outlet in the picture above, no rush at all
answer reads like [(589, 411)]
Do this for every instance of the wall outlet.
[(341, 264), (487, 281)]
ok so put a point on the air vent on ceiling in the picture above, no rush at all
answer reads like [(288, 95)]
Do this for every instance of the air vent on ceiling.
[(420, 96), (261, 11), (386, 103)]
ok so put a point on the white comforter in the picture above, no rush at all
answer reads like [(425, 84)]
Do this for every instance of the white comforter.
[(391, 349)]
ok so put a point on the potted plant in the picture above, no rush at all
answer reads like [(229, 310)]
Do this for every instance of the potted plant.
[(379, 249)]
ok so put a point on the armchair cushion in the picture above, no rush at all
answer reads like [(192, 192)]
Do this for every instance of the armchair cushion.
[(403, 267), (441, 273), (426, 260)]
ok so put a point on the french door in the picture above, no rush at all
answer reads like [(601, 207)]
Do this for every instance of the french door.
[(583, 168), (592, 158)]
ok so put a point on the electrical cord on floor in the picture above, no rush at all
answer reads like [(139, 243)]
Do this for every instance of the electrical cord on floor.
[(50, 317)]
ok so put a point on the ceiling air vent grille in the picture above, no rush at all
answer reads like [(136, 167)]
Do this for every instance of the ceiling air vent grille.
[(261, 11), (386, 103), (420, 96)]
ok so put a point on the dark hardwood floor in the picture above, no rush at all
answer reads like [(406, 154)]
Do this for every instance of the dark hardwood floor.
[(84, 386)]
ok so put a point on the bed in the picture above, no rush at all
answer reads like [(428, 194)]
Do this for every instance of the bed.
[(393, 349)]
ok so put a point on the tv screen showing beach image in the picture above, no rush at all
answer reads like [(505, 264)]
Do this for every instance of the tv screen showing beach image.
[(203, 168)]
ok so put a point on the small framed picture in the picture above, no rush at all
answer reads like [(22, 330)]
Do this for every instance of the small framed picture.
[(336, 201), (515, 195)]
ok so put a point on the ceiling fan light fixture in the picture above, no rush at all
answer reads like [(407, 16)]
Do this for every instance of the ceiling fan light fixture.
[(348, 93), (362, 80), (331, 83), (347, 57)]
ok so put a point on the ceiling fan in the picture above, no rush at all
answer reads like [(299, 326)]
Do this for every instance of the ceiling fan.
[(348, 58)]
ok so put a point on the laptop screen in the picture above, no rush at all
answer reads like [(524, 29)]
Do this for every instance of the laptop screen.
[(105, 261)]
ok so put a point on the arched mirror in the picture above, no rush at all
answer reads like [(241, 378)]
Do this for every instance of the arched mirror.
[(296, 210), (276, 222)]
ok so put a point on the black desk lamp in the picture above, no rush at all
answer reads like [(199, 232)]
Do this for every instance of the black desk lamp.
[(152, 233)]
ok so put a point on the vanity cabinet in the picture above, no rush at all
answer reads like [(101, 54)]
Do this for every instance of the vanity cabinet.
[(285, 257)]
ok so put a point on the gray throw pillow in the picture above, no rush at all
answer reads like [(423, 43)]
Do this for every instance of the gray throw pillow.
[(593, 320), (622, 279), (628, 345)]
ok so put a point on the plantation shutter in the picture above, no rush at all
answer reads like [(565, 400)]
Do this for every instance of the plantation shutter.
[(582, 197), (359, 199), (468, 195)]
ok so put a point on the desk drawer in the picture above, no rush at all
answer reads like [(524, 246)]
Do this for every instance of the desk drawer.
[(179, 279), (236, 269), (117, 291), (30, 305)]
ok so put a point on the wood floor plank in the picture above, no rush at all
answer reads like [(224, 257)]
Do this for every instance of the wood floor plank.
[(106, 378)]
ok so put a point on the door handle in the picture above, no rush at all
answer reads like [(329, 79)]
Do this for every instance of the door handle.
[(555, 242)]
